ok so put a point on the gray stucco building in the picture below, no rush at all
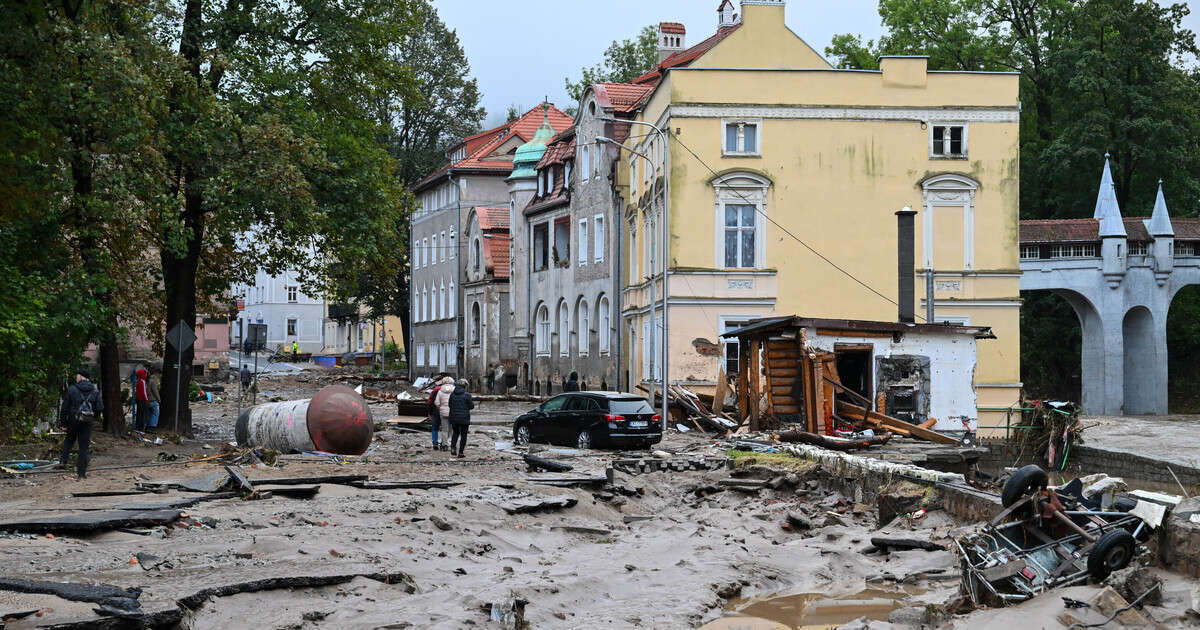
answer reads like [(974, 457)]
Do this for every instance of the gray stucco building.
[(565, 249), (473, 178)]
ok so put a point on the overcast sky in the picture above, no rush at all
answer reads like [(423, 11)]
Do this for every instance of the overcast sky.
[(522, 51)]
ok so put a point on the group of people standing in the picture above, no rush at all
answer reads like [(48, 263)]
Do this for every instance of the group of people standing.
[(452, 403), (145, 401)]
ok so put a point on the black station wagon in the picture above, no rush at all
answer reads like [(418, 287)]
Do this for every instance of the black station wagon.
[(591, 419)]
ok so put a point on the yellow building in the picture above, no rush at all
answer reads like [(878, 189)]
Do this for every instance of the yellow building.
[(785, 175)]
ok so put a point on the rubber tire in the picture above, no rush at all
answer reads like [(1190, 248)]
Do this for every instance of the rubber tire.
[(1022, 481), (1124, 504), (584, 441), (517, 435), (1112, 552)]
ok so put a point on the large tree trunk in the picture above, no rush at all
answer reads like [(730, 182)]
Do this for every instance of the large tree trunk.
[(179, 268), (179, 279), (110, 381)]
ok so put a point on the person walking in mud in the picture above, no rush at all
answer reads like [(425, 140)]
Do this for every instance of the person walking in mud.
[(80, 409), (460, 404), (435, 412)]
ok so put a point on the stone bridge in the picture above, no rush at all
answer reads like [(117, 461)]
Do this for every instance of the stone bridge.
[(1120, 275)]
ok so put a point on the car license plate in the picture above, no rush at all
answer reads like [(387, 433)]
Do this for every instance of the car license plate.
[(637, 424)]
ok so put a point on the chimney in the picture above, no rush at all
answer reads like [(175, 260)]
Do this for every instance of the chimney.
[(906, 262), (671, 39), (726, 16)]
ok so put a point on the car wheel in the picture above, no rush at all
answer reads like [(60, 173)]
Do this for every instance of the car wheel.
[(1022, 481), (584, 440), (521, 435), (1111, 553)]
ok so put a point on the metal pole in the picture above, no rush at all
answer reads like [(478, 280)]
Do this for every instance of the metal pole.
[(929, 296), (653, 328), (383, 332), (666, 261), (178, 378), (254, 395), (242, 341)]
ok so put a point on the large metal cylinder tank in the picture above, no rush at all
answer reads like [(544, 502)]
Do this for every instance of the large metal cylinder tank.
[(336, 420)]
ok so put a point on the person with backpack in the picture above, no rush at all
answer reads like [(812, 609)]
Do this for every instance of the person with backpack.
[(460, 406), (80, 409)]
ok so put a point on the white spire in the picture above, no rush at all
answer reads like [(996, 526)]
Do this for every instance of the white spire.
[(1160, 221), (1107, 209)]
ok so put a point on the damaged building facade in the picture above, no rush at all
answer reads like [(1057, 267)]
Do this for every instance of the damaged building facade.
[(781, 177), (473, 178)]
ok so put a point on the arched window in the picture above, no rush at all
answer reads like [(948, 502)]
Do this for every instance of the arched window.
[(605, 325), (542, 333), (453, 298), (442, 312), (564, 329), (475, 258), (475, 324), (584, 322)]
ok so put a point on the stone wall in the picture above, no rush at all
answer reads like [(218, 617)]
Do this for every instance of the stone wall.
[(1141, 471)]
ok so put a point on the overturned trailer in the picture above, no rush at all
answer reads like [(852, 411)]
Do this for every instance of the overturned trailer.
[(914, 379)]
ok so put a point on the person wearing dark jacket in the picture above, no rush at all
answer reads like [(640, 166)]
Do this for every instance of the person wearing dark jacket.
[(460, 418), (572, 384), (79, 429)]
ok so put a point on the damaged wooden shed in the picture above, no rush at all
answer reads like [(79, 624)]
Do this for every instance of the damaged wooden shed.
[(834, 374)]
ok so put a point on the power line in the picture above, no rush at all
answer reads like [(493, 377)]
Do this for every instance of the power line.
[(789, 232)]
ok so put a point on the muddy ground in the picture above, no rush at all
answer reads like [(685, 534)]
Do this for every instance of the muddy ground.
[(662, 557)]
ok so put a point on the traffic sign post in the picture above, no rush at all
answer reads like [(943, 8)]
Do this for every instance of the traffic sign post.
[(181, 338)]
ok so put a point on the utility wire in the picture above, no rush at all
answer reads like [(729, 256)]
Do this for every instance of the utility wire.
[(789, 232)]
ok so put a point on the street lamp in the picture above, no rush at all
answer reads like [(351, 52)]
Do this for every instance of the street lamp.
[(665, 254)]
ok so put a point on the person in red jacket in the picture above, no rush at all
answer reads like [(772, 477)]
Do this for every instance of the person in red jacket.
[(143, 400)]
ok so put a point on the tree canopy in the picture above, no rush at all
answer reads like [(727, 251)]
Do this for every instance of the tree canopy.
[(1097, 76), (623, 61)]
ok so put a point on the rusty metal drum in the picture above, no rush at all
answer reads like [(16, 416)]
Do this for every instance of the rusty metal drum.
[(336, 420)]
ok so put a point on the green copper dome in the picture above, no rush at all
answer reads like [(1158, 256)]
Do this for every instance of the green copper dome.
[(529, 154)]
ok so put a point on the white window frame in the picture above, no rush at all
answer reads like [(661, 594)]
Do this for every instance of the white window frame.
[(1138, 248), (419, 355), (1073, 250), (425, 256), (564, 329), (452, 249), (453, 301), (598, 242), (444, 247), (583, 242), (604, 315), (443, 311), (741, 188), (948, 191), (1031, 252), (633, 176), (1184, 249), (451, 351), (294, 323), (585, 153), (725, 323), (293, 294), (742, 123), (634, 254), (946, 154), (543, 328), (584, 326)]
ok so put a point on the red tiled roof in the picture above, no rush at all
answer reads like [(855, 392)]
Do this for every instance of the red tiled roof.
[(1085, 230), (622, 97), (684, 58), (492, 218), (672, 27), (484, 144), (495, 253)]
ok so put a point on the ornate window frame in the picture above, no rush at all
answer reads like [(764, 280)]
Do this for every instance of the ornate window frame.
[(949, 190), (740, 188)]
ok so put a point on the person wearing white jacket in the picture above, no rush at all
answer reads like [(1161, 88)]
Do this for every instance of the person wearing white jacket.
[(443, 397)]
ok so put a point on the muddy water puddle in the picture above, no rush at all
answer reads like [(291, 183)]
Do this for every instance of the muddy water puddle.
[(811, 611)]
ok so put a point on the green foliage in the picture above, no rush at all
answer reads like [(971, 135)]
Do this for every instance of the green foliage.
[(1096, 76), (623, 61)]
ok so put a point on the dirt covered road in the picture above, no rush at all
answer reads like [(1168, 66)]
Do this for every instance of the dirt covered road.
[(657, 550)]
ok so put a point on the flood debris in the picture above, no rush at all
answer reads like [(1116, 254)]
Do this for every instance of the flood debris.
[(541, 463), (86, 522), (567, 481), (538, 504), (104, 594), (336, 420), (1046, 538), (887, 545), (196, 600)]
